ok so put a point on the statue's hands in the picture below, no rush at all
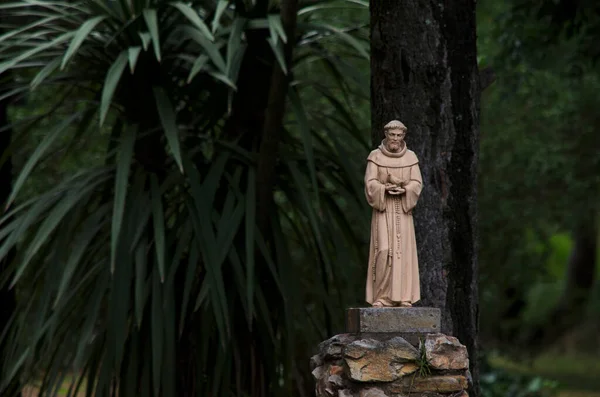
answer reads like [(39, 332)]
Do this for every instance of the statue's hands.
[(396, 191), (393, 189)]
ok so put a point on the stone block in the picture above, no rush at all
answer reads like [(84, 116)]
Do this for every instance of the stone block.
[(438, 384), (393, 319), (318, 372), (385, 364), (372, 392), (431, 394), (332, 347), (316, 361), (336, 380), (445, 352), (370, 360)]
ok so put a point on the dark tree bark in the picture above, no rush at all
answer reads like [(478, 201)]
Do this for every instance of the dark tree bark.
[(424, 73)]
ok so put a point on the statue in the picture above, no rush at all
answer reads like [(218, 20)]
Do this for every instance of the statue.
[(393, 184)]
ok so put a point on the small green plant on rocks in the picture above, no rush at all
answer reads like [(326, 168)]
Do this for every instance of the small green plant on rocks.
[(424, 368)]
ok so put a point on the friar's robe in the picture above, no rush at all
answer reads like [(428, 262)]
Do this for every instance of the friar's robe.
[(393, 274)]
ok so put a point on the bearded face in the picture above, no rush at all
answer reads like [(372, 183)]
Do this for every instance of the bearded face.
[(394, 139)]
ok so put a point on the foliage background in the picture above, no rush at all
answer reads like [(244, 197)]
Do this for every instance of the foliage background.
[(171, 226)]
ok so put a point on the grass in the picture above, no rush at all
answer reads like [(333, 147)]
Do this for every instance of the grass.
[(578, 376)]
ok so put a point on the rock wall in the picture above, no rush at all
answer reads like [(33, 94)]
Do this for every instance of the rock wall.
[(386, 365)]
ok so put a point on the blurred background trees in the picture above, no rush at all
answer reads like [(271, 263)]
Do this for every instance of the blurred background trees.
[(116, 227), (538, 186), (539, 177)]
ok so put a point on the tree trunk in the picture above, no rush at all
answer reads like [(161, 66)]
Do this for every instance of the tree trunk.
[(424, 73)]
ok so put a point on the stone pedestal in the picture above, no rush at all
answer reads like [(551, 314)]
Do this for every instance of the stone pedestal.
[(411, 323), (391, 352)]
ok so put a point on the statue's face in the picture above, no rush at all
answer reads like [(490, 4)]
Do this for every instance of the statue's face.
[(394, 139)]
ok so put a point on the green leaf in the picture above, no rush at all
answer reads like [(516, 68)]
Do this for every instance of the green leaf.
[(343, 116), (306, 138), (14, 61), (317, 7), (36, 210), (272, 32), (123, 166), (141, 283), (303, 199), (119, 306), (151, 22), (258, 23), (197, 67), (199, 210), (227, 229), (110, 83), (224, 78), (159, 225), (235, 65), (89, 230), (16, 366), (276, 28), (362, 3), (211, 49), (106, 7), (206, 239), (134, 53), (167, 118), (192, 15), (157, 332), (190, 277), (44, 73), (146, 39), (234, 44), (249, 233), (181, 240), (360, 47), (170, 337), (50, 223), (37, 23), (40, 150), (80, 36), (221, 6), (278, 51), (268, 258), (13, 94)]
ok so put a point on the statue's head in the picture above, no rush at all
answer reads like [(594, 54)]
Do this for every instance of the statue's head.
[(395, 132)]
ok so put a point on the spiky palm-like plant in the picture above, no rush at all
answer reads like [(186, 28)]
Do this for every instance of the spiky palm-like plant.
[(212, 245)]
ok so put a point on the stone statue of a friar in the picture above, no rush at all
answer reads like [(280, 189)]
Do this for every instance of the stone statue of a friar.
[(393, 184)]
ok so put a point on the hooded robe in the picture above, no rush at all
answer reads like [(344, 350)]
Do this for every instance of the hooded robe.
[(393, 274)]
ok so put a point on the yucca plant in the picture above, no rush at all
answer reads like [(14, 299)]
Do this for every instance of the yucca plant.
[(216, 240)]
